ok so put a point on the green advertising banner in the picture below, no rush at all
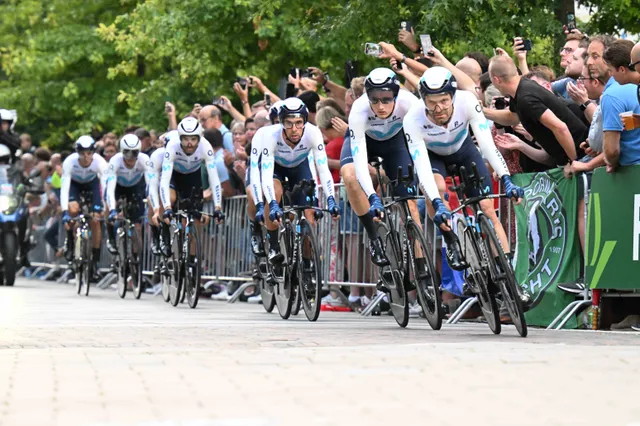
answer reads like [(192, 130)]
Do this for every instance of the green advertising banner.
[(613, 230), (547, 251)]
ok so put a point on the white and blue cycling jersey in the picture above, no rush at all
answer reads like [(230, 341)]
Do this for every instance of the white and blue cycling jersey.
[(121, 175), (424, 135), (277, 153), (154, 171), (73, 172), (363, 124), (176, 160)]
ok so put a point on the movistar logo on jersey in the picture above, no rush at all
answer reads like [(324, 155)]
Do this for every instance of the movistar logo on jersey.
[(166, 167), (322, 161), (267, 165), (355, 150), (415, 154)]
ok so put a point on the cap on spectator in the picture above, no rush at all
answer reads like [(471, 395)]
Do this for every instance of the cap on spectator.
[(310, 99)]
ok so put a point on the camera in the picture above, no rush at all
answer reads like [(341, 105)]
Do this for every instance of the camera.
[(243, 82), (571, 22), (406, 25), (500, 102), (300, 72)]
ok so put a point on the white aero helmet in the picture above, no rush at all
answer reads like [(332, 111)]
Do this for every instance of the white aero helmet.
[(85, 143), (130, 142), (274, 110), (190, 127), (5, 154)]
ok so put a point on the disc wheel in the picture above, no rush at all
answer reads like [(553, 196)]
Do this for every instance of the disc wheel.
[(502, 276), (476, 277), (309, 273), (134, 263), (393, 275), (123, 263), (193, 268), (284, 293), (266, 288), (424, 275)]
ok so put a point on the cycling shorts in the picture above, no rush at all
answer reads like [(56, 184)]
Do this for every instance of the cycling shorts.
[(294, 175), (394, 153), (92, 187), (187, 186), (465, 156), (136, 192)]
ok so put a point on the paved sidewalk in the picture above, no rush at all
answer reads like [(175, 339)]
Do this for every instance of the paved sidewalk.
[(71, 360)]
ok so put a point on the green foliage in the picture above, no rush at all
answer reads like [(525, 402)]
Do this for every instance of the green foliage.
[(74, 66), (612, 16)]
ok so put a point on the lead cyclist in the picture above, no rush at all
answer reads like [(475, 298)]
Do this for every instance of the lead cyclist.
[(438, 136)]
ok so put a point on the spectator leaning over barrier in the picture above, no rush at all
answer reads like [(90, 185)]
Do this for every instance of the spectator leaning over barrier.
[(214, 136), (541, 79), (333, 137), (621, 147), (618, 60), (210, 117), (250, 129), (551, 123), (573, 71)]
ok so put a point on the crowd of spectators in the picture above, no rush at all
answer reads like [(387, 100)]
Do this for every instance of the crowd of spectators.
[(539, 120)]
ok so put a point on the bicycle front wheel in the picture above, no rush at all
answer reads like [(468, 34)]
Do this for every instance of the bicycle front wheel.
[(476, 276), (503, 276), (266, 285), (309, 272), (282, 273), (88, 264), (134, 262), (173, 264), (393, 275), (123, 263), (192, 266), (424, 275)]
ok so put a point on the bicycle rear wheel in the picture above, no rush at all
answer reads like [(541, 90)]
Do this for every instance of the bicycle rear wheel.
[(393, 276), (134, 262), (309, 272), (165, 278), (192, 267), (123, 263), (424, 275), (502, 276), (88, 264), (284, 294), (476, 276)]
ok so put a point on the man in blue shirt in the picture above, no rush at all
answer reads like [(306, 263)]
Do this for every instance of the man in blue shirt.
[(210, 117), (621, 147)]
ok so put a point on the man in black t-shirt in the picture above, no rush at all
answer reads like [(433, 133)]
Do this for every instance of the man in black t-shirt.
[(549, 120)]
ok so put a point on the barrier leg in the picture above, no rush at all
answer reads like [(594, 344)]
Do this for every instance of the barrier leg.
[(107, 280), (236, 295), (577, 305), (49, 273), (462, 309), (65, 277), (371, 306), (20, 272)]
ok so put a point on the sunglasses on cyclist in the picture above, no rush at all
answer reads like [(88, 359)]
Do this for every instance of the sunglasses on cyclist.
[(130, 153), (386, 100)]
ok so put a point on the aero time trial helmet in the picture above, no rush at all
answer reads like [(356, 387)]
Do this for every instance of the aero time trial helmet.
[(436, 81), (274, 110), (382, 79), (293, 107), (190, 127), (130, 146), (85, 143)]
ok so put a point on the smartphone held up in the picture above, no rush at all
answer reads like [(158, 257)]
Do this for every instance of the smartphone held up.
[(372, 49)]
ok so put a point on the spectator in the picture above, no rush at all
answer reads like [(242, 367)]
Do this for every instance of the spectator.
[(472, 68), (332, 89), (26, 145), (481, 59), (635, 57), (587, 94), (333, 137), (575, 40), (110, 149), (145, 138), (214, 136), (573, 71), (328, 102), (310, 99), (210, 117), (250, 129), (618, 60), (43, 158), (551, 123), (226, 105), (261, 118), (239, 140), (541, 79)]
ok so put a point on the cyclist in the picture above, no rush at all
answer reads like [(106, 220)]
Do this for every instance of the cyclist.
[(181, 176), (439, 137), (83, 172), (285, 154), (253, 184), (375, 130), (155, 211), (128, 176)]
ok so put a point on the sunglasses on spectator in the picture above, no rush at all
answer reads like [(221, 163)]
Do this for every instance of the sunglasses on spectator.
[(632, 65), (130, 153), (385, 100), (290, 125)]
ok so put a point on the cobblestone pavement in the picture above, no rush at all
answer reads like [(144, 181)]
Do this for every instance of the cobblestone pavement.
[(71, 360)]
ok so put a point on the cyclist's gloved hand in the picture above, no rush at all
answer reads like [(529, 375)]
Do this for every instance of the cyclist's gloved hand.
[(66, 217), (512, 190), (442, 215), (332, 206), (275, 212), (318, 214), (168, 214), (112, 215), (260, 212), (377, 208), (97, 208), (219, 215)]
